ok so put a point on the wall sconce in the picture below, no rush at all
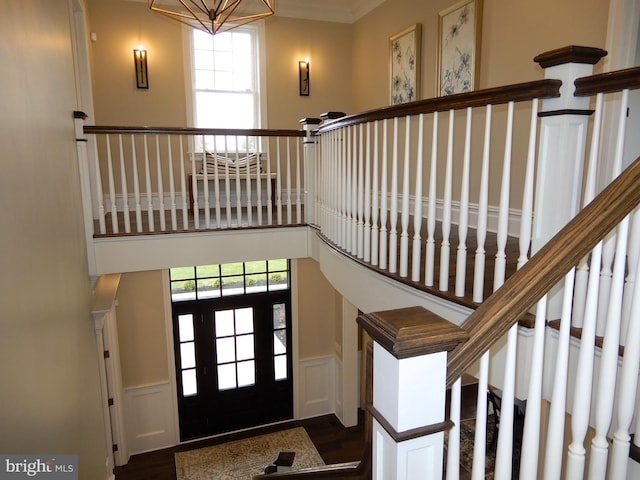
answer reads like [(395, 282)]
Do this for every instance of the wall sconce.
[(303, 67), (140, 62)]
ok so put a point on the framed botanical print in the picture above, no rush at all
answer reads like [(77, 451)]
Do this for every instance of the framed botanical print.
[(404, 65), (459, 34)]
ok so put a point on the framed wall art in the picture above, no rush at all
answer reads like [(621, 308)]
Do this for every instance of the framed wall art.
[(459, 34), (404, 65)]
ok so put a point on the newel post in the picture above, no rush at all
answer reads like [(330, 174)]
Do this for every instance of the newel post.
[(409, 387), (561, 158), (309, 152)]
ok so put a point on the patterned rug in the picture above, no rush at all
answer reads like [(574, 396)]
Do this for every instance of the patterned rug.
[(241, 459)]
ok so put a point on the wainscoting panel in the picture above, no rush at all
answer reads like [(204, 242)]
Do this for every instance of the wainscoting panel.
[(149, 417), (316, 386)]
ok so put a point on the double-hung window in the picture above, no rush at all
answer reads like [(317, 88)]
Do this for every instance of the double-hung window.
[(225, 72)]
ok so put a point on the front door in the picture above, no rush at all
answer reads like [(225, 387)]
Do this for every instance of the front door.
[(233, 362)]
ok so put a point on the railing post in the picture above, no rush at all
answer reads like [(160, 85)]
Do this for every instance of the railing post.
[(409, 387), (309, 152), (563, 134), (85, 187)]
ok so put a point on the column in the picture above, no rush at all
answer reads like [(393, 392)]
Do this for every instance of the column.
[(409, 386)]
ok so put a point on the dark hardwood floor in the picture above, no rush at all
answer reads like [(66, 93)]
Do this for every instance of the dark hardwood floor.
[(335, 443)]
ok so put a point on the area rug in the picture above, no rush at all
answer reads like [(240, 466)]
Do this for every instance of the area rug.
[(242, 459)]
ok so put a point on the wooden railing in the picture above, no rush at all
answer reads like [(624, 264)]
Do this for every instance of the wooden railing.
[(157, 180)]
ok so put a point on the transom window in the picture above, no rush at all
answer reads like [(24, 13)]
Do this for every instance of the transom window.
[(219, 280)]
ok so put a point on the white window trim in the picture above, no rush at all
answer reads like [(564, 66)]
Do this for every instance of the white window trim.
[(187, 43)]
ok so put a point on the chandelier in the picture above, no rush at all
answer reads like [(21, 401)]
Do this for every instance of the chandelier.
[(214, 16)]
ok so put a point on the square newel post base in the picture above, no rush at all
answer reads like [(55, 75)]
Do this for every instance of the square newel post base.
[(409, 389), (420, 457)]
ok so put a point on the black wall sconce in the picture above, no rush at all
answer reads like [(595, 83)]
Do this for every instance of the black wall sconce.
[(140, 62), (303, 67)]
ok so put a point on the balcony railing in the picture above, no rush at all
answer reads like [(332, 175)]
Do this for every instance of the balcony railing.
[(405, 190)]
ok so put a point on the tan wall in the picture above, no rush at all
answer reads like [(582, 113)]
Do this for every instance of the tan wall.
[(122, 25), (316, 311), (513, 32), (141, 329), (327, 45), (50, 396)]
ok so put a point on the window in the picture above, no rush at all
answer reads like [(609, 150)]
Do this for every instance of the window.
[(221, 280), (226, 78)]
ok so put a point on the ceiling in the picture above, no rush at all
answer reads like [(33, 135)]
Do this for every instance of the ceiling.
[(345, 11)]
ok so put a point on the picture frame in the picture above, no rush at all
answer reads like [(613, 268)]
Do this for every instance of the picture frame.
[(405, 65), (459, 36)]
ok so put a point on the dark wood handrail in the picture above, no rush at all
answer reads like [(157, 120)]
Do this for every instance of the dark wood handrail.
[(520, 92), (496, 315), (608, 82), (243, 132)]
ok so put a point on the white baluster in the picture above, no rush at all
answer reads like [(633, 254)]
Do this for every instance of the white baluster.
[(531, 433), (216, 182), (393, 214), (289, 206), (99, 194), (298, 185), (136, 185), (375, 213), (147, 177), (557, 408), (278, 183), (505, 433), (503, 214), (367, 198), (429, 262), (248, 183), (354, 193), (342, 147), (584, 374), (619, 457), (483, 205), (112, 188), (480, 438), (183, 186), (172, 187), (238, 184), (609, 359), (270, 193), (383, 199), (227, 182), (194, 186), (582, 273), (527, 191), (445, 247), (205, 175), (453, 448), (125, 190), (417, 212), (633, 255), (360, 195), (606, 273), (463, 222), (259, 176), (504, 452), (349, 241), (404, 210), (163, 221)]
